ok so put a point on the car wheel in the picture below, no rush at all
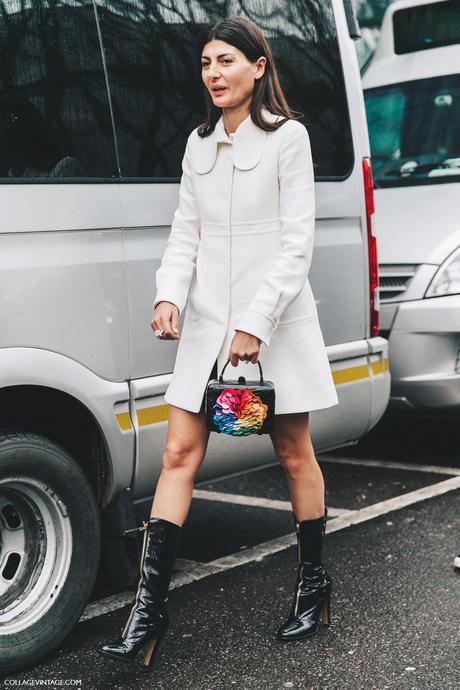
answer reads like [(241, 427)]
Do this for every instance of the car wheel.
[(49, 546)]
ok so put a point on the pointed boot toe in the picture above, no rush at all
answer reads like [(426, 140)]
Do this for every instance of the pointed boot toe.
[(296, 630), (116, 650), (289, 630), (306, 624)]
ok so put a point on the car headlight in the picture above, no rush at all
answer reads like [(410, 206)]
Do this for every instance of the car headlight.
[(446, 281)]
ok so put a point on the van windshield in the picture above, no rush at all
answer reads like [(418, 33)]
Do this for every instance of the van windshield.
[(414, 131)]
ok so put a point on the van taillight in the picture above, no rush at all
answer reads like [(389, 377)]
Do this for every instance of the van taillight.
[(372, 249)]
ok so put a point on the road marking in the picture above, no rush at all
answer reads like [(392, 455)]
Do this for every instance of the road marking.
[(255, 501), (185, 563), (352, 517), (257, 553), (430, 469)]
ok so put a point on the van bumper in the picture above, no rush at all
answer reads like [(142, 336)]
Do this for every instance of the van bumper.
[(424, 351), (361, 373)]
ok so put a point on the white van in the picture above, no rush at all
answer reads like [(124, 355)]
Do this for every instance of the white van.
[(412, 96), (98, 105)]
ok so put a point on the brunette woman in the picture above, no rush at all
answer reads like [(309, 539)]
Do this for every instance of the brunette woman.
[(238, 257)]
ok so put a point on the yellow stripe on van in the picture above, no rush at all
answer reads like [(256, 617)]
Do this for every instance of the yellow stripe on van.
[(152, 414), (377, 367), (124, 420), (350, 374)]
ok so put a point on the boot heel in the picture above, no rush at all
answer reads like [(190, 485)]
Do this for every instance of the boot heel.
[(152, 650), (326, 613)]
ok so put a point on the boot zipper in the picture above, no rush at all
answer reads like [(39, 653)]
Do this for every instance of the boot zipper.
[(139, 529), (136, 529), (298, 590), (300, 571)]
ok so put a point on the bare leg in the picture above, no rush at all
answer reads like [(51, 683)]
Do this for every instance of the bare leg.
[(293, 447), (186, 443)]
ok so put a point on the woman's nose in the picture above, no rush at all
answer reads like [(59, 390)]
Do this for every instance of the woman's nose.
[(214, 71)]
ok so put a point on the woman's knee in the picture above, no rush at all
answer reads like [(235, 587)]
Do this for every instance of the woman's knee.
[(292, 463), (186, 440), (292, 443), (182, 456), (295, 460)]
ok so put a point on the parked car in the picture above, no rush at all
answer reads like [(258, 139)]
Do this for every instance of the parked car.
[(97, 105), (412, 96)]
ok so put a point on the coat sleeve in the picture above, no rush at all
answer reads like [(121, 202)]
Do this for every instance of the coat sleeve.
[(288, 274), (174, 276)]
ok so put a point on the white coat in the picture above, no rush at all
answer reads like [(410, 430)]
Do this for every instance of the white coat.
[(238, 257)]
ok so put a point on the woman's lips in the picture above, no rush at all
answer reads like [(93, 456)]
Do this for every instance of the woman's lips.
[(219, 91)]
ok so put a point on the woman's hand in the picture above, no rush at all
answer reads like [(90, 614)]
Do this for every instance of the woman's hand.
[(166, 317), (245, 347)]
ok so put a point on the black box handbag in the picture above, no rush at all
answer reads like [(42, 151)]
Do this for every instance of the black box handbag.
[(240, 407)]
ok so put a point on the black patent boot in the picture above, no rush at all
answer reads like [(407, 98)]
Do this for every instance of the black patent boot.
[(313, 586), (148, 620)]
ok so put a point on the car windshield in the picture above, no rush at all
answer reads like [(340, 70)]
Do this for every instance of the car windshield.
[(414, 131)]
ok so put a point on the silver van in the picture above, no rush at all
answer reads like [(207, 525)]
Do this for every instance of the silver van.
[(412, 96), (97, 102)]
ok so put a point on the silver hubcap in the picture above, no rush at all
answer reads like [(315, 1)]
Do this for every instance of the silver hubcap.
[(35, 551)]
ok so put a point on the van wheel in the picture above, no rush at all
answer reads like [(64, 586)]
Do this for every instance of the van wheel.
[(49, 546)]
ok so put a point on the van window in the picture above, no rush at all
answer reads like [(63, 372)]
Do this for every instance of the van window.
[(414, 132), (55, 119), (154, 71), (426, 26), (54, 113)]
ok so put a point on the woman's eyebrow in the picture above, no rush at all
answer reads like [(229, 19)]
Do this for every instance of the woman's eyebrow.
[(205, 57)]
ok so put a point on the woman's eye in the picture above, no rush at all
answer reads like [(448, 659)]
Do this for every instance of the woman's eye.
[(206, 64)]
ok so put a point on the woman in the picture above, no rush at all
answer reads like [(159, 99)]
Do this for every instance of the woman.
[(238, 257)]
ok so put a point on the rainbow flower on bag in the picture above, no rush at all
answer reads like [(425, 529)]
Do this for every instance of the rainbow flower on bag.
[(239, 412)]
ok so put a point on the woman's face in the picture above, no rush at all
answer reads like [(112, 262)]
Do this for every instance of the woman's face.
[(227, 73)]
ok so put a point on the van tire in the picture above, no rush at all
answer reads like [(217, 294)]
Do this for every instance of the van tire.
[(43, 491)]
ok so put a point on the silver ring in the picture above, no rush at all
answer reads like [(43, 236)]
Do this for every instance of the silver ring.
[(159, 332)]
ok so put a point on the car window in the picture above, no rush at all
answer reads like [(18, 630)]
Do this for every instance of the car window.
[(414, 131), (54, 113), (427, 26), (61, 106)]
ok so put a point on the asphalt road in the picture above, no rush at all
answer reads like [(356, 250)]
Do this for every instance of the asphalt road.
[(395, 602)]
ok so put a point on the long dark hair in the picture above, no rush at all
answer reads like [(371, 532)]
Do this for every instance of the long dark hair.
[(243, 34)]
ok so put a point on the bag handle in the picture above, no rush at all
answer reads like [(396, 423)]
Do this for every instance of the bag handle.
[(229, 360)]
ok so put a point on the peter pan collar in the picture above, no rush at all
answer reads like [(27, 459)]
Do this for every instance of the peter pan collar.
[(247, 144)]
